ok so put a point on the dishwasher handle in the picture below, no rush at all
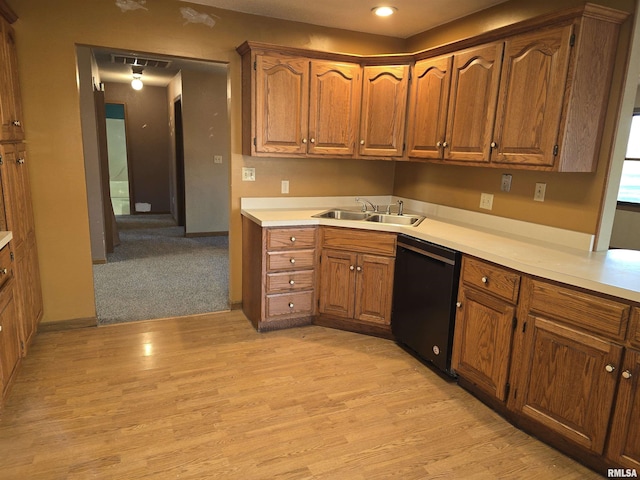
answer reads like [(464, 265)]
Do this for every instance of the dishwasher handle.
[(425, 253)]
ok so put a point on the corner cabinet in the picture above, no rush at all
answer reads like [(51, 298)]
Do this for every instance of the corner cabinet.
[(356, 279)]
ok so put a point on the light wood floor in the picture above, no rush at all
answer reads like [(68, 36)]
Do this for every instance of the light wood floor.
[(208, 397)]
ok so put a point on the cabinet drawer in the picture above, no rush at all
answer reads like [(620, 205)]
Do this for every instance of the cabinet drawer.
[(6, 270), (491, 279), (284, 282), (364, 241), (291, 238), (290, 260), (299, 303), (597, 314)]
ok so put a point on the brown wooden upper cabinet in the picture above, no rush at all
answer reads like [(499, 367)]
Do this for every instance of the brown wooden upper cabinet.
[(304, 106), (534, 100), (384, 103), (531, 95), (11, 127)]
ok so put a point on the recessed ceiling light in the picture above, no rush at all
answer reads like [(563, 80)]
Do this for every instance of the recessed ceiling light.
[(384, 11)]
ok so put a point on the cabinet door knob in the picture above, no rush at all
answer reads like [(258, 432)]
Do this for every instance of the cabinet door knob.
[(351, 267), (439, 144), (291, 282), (445, 144), (361, 142), (3, 271), (493, 145), (16, 123), (20, 161), (313, 140), (293, 260), (459, 304), (626, 374), (359, 269), (485, 279), (290, 304), (293, 239), (304, 140), (0, 328), (609, 368)]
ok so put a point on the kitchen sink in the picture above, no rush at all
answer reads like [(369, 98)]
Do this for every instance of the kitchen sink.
[(343, 215), (411, 220)]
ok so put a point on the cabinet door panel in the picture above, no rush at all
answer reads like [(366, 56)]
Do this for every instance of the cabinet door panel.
[(374, 285), (282, 104), (564, 383), (427, 119), (9, 337), (334, 107), (624, 442), (337, 280), (482, 341), (474, 92), (534, 75), (384, 102)]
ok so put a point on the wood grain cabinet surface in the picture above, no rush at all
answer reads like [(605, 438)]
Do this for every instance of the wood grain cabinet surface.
[(483, 334), (11, 126), (278, 275), (10, 349), (356, 276)]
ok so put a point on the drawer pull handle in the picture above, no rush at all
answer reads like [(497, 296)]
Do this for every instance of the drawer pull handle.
[(485, 279), (291, 282), (293, 239), (459, 304), (626, 374), (293, 260), (3, 271), (609, 368), (290, 304)]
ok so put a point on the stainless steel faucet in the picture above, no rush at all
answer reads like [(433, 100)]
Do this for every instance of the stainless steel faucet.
[(400, 206), (364, 202)]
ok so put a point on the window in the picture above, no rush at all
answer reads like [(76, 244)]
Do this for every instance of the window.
[(630, 182)]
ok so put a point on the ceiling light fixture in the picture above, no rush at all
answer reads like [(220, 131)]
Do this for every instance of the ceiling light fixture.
[(384, 11), (136, 83)]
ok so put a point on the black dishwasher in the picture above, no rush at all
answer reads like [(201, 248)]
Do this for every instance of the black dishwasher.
[(424, 296)]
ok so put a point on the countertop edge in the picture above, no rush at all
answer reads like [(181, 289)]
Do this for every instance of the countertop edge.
[(615, 273), (5, 238)]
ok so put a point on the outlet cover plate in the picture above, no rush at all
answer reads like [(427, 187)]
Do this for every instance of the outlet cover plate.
[(248, 174), (486, 201), (541, 189)]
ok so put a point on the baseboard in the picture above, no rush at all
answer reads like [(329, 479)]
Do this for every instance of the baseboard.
[(206, 234), (67, 324), (236, 306), (101, 261)]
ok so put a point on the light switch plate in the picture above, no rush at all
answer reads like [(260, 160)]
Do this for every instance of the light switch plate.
[(284, 186), (505, 185), (248, 174)]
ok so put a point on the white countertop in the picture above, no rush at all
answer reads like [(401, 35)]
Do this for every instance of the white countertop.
[(5, 238), (613, 272)]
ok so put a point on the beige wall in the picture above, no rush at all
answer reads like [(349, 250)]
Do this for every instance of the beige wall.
[(47, 34), (573, 201)]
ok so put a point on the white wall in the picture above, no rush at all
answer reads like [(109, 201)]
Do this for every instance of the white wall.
[(206, 134)]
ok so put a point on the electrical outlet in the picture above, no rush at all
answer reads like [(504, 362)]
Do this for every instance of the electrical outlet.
[(541, 189), (505, 186), (284, 186), (248, 174), (217, 159), (486, 201)]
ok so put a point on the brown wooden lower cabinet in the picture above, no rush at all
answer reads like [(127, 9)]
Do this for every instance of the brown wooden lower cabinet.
[(356, 277), (10, 351), (624, 440), (566, 366)]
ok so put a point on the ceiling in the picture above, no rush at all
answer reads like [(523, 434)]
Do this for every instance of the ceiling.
[(412, 16)]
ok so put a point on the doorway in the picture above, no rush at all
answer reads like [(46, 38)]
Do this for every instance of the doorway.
[(119, 180)]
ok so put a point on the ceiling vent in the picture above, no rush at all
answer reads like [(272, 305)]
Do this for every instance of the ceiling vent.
[(143, 62)]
